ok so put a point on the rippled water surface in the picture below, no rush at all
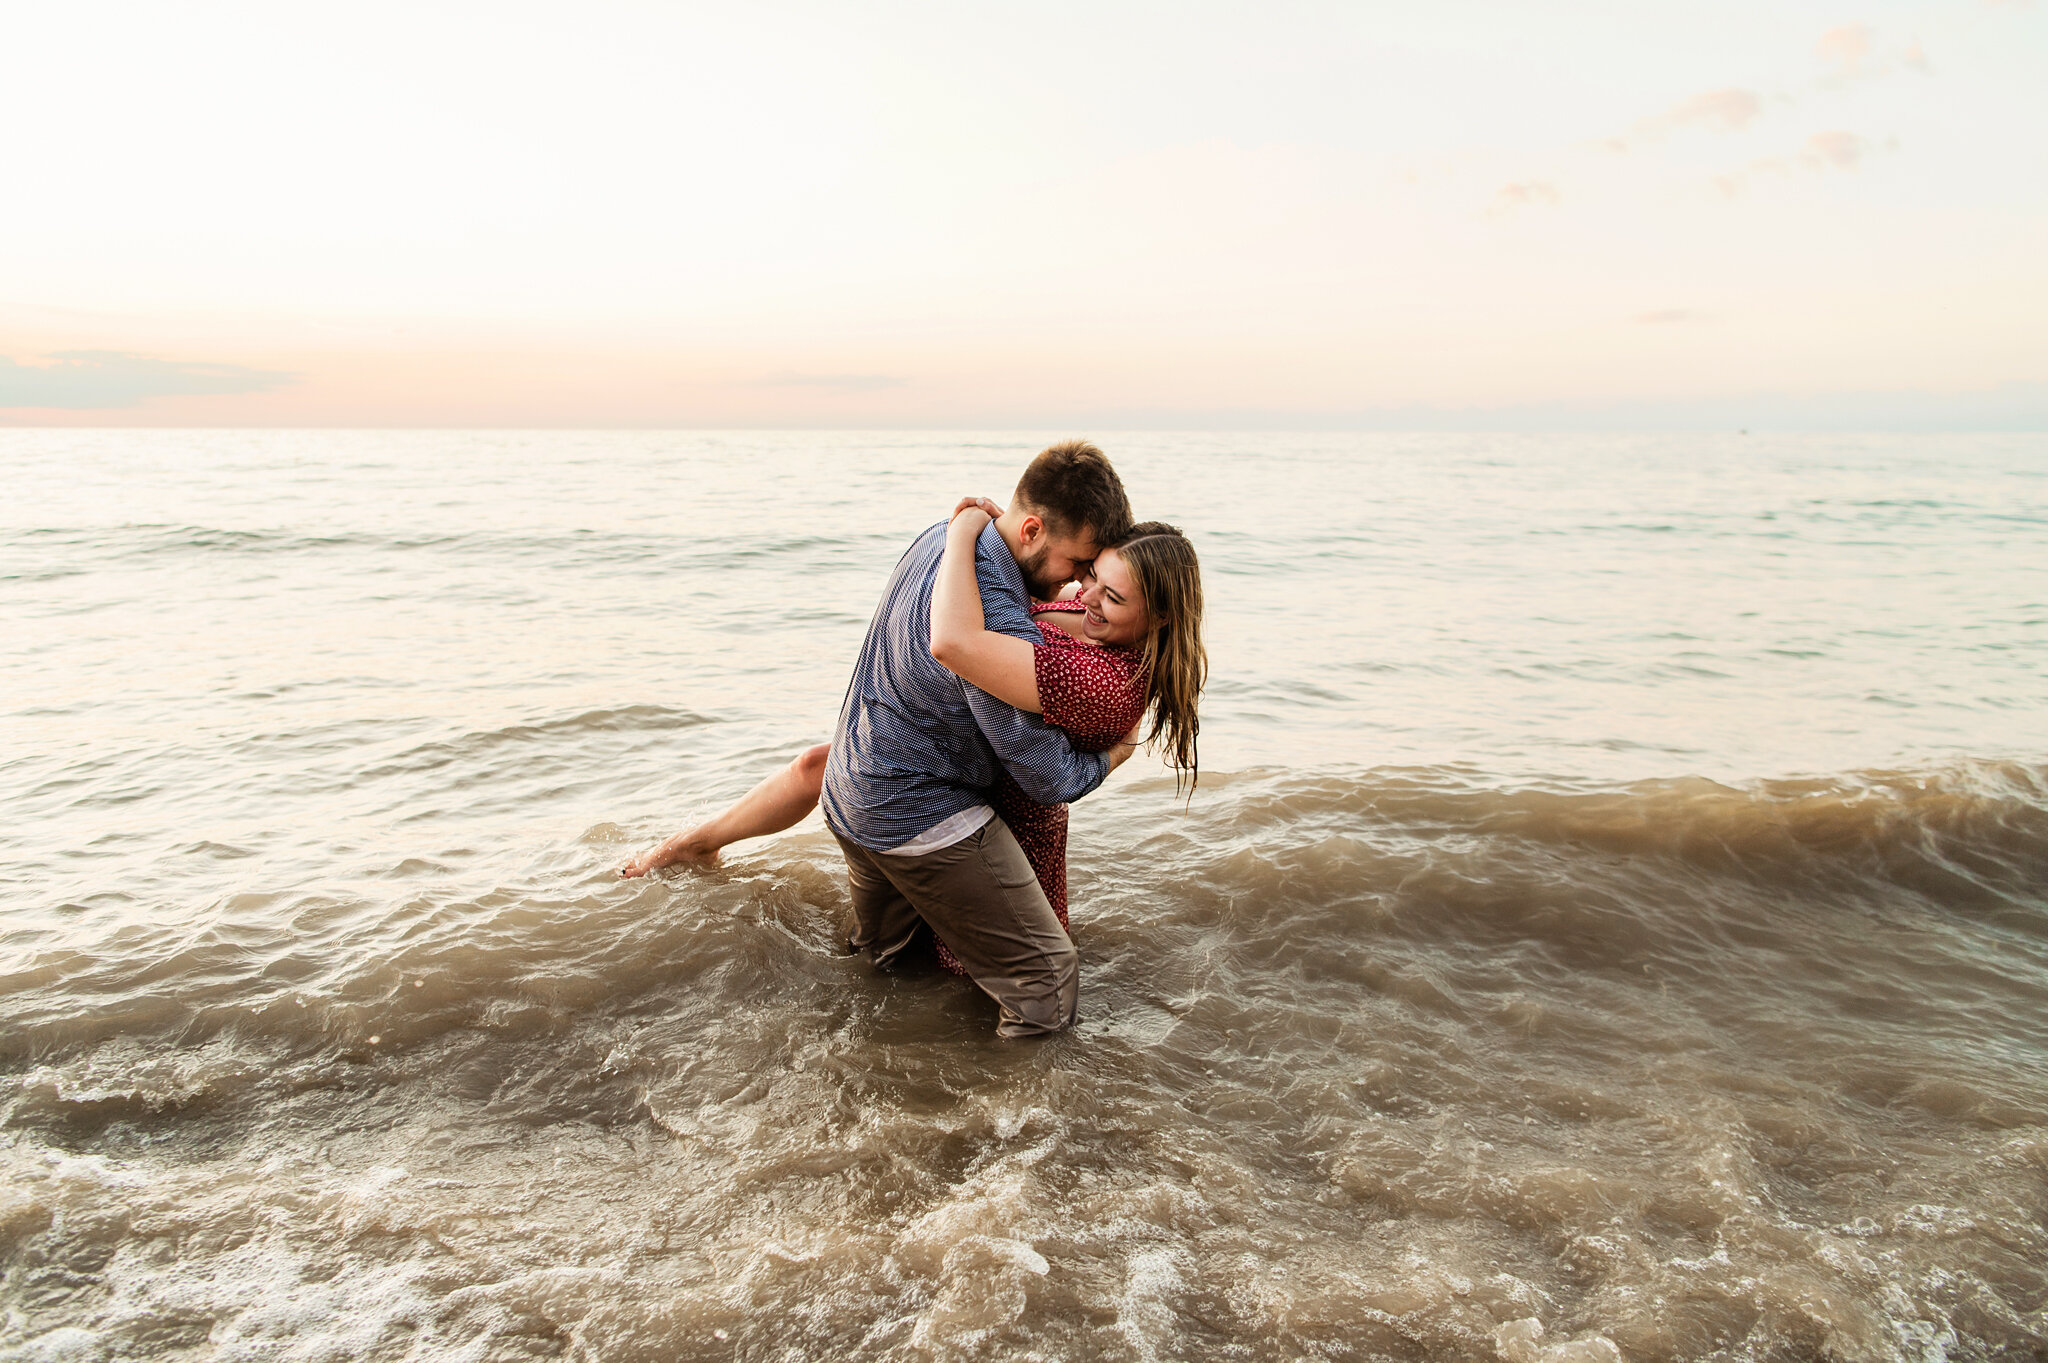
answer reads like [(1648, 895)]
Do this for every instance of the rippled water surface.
[(1611, 923)]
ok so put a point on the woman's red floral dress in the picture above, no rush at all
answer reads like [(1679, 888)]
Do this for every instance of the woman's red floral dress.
[(1092, 692)]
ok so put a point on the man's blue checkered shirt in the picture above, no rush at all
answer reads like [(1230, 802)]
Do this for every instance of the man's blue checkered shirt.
[(915, 744)]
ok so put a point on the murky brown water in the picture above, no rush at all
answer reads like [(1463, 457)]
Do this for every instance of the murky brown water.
[(1505, 992)]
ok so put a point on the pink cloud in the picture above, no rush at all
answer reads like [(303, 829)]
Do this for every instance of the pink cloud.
[(1839, 149), (1524, 194), (1728, 110), (1735, 181), (1836, 149), (1844, 49)]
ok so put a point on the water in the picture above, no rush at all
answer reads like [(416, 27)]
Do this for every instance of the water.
[(1610, 924)]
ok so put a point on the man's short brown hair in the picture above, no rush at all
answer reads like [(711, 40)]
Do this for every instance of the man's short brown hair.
[(1071, 487)]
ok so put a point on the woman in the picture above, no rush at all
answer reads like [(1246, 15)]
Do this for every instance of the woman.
[(1128, 643)]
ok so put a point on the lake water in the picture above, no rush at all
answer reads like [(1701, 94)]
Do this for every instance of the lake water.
[(1611, 922)]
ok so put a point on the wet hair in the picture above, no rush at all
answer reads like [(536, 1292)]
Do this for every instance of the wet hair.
[(1175, 665), (1071, 487)]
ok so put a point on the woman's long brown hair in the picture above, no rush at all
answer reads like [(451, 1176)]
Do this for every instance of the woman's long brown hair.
[(1175, 666)]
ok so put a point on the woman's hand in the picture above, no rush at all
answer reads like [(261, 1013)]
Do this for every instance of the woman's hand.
[(983, 504), (1121, 753), (966, 526)]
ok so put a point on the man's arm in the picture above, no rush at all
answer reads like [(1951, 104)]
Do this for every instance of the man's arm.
[(1037, 756)]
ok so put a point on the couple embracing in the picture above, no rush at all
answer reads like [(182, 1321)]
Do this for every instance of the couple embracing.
[(1013, 663)]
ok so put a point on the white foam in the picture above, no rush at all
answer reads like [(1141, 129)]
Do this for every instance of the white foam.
[(66, 1344), (1144, 1315)]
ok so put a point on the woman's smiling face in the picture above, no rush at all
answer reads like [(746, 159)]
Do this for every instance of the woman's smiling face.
[(1116, 611)]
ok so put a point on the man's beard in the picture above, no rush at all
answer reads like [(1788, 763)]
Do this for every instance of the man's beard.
[(1040, 587)]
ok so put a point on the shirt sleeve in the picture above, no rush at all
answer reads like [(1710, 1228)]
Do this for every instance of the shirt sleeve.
[(1037, 755)]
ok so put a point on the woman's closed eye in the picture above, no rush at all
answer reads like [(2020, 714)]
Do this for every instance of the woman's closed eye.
[(1089, 579)]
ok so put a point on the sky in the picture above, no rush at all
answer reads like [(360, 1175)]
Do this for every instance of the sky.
[(1101, 214)]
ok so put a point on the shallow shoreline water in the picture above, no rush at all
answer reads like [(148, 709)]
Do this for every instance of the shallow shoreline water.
[(1522, 982)]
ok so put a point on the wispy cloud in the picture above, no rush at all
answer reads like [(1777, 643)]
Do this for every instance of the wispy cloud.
[(1524, 194), (1845, 49), (1732, 183), (1850, 52), (853, 383), (86, 380), (1664, 317), (1729, 110), (1836, 149)]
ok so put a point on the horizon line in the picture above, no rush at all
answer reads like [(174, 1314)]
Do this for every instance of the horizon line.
[(2038, 427)]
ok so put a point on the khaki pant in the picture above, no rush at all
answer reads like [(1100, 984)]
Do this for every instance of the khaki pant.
[(981, 896)]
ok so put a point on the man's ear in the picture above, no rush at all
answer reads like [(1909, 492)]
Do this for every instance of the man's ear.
[(1028, 530)]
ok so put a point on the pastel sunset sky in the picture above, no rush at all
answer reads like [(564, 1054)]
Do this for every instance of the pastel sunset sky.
[(1100, 214)]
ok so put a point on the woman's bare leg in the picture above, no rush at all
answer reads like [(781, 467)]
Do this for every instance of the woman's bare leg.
[(777, 803)]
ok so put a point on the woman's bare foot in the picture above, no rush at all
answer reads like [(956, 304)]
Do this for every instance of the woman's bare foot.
[(779, 802), (685, 849)]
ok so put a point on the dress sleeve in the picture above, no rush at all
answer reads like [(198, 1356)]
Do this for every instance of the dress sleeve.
[(1089, 692)]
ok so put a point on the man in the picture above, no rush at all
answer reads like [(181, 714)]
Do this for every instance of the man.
[(917, 750)]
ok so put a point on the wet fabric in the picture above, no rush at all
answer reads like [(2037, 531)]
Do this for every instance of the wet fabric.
[(1093, 694), (915, 745), (983, 896)]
